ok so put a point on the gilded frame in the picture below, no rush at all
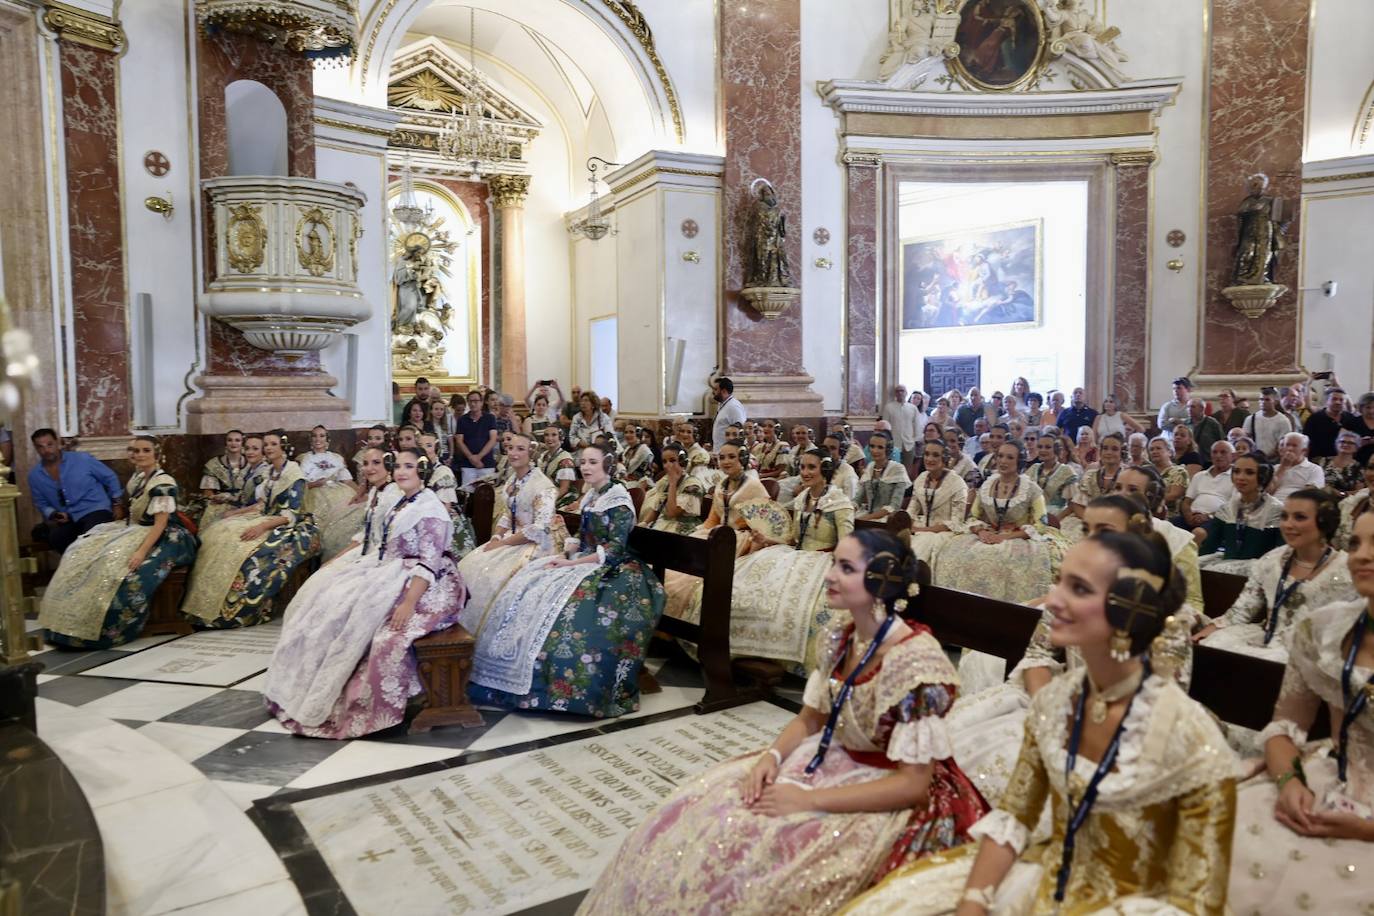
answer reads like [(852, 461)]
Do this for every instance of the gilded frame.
[(970, 80)]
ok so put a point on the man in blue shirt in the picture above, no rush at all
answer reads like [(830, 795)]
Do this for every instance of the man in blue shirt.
[(73, 490), (1077, 414), (475, 440)]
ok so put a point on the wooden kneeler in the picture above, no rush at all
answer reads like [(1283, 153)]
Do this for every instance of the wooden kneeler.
[(165, 616), (445, 662)]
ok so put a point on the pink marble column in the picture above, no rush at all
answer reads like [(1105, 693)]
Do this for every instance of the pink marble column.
[(760, 49), (96, 241), (861, 303), (1130, 335), (222, 59), (1257, 104)]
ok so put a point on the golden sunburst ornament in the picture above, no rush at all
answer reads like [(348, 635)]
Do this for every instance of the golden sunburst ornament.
[(426, 91)]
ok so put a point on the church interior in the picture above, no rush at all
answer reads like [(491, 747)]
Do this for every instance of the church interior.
[(552, 456)]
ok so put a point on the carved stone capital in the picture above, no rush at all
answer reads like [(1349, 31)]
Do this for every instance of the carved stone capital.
[(509, 190), (1134, 159), (82, 27), (859, 160)]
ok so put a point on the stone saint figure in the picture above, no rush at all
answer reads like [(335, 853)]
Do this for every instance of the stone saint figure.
[(410, 299), (1261, 235), (768, 260)]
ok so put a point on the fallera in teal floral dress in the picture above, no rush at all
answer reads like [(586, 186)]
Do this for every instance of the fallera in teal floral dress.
[(572, 639), (93, 601), (235, 583)]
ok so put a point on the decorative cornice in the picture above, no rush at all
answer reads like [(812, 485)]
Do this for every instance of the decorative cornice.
[(1133, 159), (82, 27), (509, 190), (859, 96), (862, 160), (661, 170), (359, 128), (1349, 176)]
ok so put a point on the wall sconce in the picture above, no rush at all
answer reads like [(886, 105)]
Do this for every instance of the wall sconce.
[(691, 257), (161, 205), (1175, 264), (824, 263)]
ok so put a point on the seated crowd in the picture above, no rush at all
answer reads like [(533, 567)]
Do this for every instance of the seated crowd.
[(904, 785)]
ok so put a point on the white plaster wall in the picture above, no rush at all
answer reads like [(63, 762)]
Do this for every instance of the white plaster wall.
[(1051, 355), (691, 294), (639, 289), (839, 40), (1340, 78), (160, 254), (1166, 38), (1336, 332), (685, 35), (595, 293), (366, 169)]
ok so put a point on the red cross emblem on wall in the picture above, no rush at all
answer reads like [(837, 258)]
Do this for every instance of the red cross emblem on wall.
[(156, 163)]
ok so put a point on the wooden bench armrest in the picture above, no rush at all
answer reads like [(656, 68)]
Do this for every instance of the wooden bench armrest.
[(1219, 591)]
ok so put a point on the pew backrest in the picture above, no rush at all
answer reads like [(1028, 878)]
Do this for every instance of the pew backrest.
[(481, 507), (1220, 591)]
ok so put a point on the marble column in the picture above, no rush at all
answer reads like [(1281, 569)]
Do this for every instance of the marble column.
[(861, 301), (509, 193), (760, 51), (1130, 284), (1257, 108), (88, 57)]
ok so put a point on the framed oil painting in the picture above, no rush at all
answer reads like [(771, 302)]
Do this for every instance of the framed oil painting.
[(974, 278), (1001, 43)]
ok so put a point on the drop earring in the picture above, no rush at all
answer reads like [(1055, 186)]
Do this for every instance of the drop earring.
[(1120, 647)]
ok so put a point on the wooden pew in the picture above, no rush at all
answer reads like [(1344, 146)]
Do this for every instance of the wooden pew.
[(164, 617), (711, 559), (896, 523), (480, 507), (1239, 689), (1220, 591)]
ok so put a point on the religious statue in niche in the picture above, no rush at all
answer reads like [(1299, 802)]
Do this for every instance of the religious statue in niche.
[(420, 315), (767, 276), (1263, 221)]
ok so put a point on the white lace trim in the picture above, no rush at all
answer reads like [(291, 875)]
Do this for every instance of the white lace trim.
[(616, 497), (161, 504), (920, 741), (1291, 730), (1003, 829)]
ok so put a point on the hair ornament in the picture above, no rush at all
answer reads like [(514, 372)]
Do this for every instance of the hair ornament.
[(1142, 575), (884, 578), (1137, 520)]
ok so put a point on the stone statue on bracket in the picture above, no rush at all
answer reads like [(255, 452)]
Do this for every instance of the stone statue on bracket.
[(1262, 228), (767, 275), (1263, 221)]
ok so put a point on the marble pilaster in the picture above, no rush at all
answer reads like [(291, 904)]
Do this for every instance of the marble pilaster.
[(95, 241), (508, 193), (760, 52), (1130, 282), (1257, 107), (861, 323)]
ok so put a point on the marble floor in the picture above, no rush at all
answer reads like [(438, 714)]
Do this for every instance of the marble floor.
[(207, 806)]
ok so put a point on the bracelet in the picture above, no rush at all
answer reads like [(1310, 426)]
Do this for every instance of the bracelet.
[(777, 755), (983, 896), (1283, 779)]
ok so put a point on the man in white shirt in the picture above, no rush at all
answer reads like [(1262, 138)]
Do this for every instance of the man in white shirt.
[(973, 445), (1269, 425), (1209, 490), (905, 421), (730, 413), (1294, 471)]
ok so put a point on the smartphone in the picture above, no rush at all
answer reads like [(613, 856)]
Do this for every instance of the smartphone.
[(1321, 375)]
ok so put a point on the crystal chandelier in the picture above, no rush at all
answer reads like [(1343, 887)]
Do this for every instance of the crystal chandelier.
[(407, 211), (596, 225), (470, 137)]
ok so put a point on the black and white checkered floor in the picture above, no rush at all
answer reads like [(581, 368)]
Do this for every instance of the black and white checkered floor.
[(170, 741)]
